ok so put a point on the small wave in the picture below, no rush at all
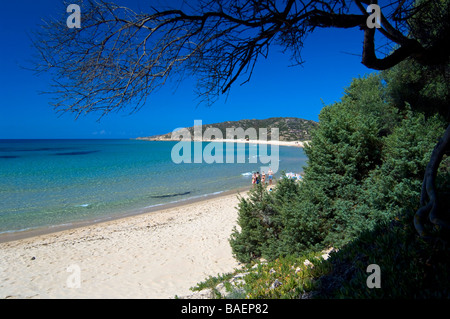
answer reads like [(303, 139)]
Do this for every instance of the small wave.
[(247, 174), (215, 193), (198, 196), (151, 206), (83, 205), (7, 232)]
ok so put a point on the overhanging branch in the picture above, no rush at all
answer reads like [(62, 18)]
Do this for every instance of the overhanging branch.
[(120, 57)]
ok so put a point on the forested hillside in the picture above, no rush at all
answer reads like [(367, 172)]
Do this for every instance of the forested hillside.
[(289, 128)]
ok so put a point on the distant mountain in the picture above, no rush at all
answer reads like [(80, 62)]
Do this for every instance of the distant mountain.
[(289, 128)]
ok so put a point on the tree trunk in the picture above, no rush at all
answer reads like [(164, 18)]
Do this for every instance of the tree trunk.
[(428, 200)]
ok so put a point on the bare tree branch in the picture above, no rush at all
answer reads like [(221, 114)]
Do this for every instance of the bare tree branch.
[(119, 57)]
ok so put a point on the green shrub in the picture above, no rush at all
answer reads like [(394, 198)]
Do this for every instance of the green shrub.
[(262, 218), (395, 186), (324, 209), (360, 190), (257, 221)]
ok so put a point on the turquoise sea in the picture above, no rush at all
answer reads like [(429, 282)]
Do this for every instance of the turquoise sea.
[(47, 183)]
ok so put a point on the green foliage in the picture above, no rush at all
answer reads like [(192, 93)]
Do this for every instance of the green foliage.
[(324, 209), (263, 217), (361, 188), (344, 150), (255, 222), (395, 186), (284, 278), (425, 89), (410, 266), (366, 162), (431, 25), (212, 281)]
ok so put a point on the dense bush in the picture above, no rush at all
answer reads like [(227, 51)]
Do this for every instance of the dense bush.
[(263, 217), (323, 209), (365, 165), (394, 187), (410, 266), (360, 191)]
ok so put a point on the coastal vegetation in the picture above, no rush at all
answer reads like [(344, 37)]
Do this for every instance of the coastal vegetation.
[(359, 194), (289, 128)]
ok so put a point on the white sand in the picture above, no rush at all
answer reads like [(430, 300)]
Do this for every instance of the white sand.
[(155, 255), (268, 142)]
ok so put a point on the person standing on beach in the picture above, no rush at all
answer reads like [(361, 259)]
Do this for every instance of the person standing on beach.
[(258, 177), (263, 178), (270, 173), (254, 179)]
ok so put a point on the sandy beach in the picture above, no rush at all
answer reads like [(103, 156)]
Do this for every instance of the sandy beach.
[(154, 255), (268, 142)]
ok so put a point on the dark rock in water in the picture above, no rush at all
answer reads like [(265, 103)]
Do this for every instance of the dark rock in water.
[(275, 284), (76, 153), (170, 195)]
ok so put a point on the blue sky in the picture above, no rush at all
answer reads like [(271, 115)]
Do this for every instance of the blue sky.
[(274, 90)]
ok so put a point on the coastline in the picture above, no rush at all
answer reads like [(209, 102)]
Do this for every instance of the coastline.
[(268, 142), (41, 231), (157, 254)]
